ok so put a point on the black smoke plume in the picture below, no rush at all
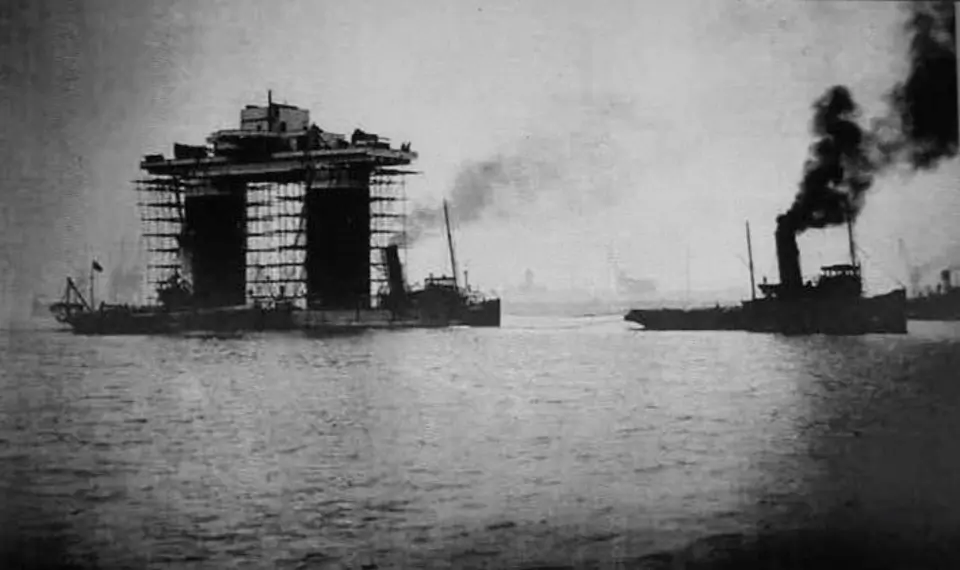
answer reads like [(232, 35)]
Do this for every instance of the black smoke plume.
[(472, 192), (578, 158), (925, 104), (919, 130), (838, 171), (475, 189)]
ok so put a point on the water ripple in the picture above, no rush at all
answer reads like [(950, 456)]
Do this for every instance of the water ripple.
[(520, 447)]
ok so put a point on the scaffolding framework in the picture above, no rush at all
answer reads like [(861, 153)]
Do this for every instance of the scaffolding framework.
[(161, 204), (388, 194), (275, 226), (276, 236)]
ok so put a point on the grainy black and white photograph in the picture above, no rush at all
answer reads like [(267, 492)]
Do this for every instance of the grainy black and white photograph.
[(503, 284)]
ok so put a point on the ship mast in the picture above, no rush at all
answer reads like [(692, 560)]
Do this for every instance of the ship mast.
[(853, 249), (753, 286), (453, 258), (270, 110)]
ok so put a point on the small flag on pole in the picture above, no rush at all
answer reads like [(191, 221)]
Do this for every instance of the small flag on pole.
[(97, 267)]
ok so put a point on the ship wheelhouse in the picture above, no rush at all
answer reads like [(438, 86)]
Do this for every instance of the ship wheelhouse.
[(841, 280), (835, 281)]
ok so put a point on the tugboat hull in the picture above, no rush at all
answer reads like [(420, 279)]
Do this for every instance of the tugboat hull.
[(835, 305), (883, 314)]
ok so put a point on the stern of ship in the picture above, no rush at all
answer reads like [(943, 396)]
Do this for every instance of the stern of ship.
[(483, 313)]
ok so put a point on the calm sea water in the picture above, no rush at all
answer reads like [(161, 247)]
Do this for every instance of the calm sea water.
[(550, 441)]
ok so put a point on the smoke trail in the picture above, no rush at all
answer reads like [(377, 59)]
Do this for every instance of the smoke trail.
[(925, 104), (476, 188), (838, 172), (580, 165), (919, 130), (472, 193)]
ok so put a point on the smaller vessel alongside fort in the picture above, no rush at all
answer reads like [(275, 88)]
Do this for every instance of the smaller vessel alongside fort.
[(441, 301), (834, 304)]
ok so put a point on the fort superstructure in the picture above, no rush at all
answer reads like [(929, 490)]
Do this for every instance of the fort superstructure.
[(275, 209), (278, 225)]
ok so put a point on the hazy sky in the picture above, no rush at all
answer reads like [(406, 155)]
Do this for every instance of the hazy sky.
[(652, 129)]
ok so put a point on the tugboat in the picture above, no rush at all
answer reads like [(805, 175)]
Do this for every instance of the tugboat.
[(835, 304), (441, 301)]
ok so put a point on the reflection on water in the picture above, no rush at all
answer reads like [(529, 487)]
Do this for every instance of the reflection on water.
[(574, 441)]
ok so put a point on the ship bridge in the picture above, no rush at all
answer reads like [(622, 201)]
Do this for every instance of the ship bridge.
[(840, 280)]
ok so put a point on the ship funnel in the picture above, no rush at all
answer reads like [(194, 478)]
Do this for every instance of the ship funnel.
[(788, 258), (395, 281), (945, 279)]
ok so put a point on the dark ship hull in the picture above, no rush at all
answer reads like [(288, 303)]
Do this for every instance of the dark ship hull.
[(141, 321), (436, 306), (429, 310), (883, 314), (706, 319), (441, 303), (157, 321), (482, 314)]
